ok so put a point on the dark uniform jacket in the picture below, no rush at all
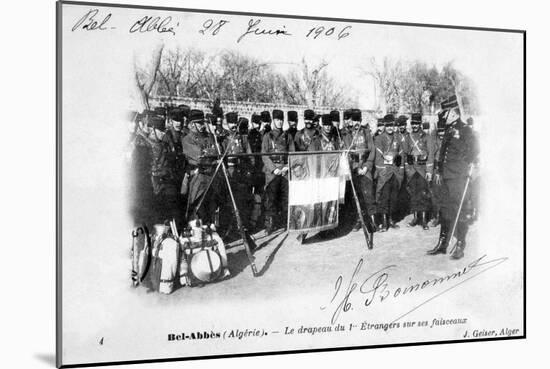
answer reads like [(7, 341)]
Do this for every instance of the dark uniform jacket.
[(197, 147), (305, 138), (275, 141), (238, 145), (459, 148), (364, 143), (419, 151), (388, 158), (199, 150)]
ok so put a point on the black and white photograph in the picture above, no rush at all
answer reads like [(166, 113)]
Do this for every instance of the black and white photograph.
[(239, 184)]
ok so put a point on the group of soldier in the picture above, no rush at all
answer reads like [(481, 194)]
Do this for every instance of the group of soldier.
[(190, 165)]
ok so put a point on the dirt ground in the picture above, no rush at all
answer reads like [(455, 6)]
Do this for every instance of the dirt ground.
[(286, 268)]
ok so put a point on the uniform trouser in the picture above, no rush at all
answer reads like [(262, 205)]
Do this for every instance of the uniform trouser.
[(165, 200), (419, 192), (387, 195), (365, 194), (241, 193), (436, 197), (212, 199), (451, 194), (276, 193)]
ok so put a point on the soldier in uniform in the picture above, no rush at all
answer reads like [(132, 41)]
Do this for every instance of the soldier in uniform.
[(292, 119), (389, 172), (307, 136), (458, 152), (239, 169), (356, 136), (199, 148), (437, 138), (276, 142), (403, 198), (419, 164), (163, 176)]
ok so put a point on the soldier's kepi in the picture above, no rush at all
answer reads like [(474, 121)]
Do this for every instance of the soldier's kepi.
[(458, 151)]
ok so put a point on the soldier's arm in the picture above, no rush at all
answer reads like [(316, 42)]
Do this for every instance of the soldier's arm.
[(372, 152), (268, 164)]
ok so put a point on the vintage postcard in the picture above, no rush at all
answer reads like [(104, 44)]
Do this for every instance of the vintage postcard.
[(235, 184)]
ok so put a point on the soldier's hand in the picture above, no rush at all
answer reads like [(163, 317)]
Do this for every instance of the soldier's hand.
[(437, 179), (285, 169), (428, 177)]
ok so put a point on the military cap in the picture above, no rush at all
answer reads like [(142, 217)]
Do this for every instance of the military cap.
[(256, 119), (402, 120), (159, 110), (309, 114), (426, 125), (356, 115), (185, 109), (317, 117), (231, 117), (176, 114), (335, 116), (326, 119), (196, 115), (450, 103), (278, 114), (157, 122), (347, 114), (243, 125), (389, 120), (416, 118), (292, 116), (265, 116)]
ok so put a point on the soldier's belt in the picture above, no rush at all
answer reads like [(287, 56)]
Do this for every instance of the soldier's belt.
[(284, 154), (416, 160)]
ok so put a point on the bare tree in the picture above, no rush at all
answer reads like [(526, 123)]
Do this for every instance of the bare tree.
[(146, 78)]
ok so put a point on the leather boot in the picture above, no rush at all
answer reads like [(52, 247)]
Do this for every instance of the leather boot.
[(423, 221), (458, 252), (301, 237), (414, 220), (392, 223), (435, 221), (383, 227), (373, 223), (269, 226), (357, 225), (442, 243)]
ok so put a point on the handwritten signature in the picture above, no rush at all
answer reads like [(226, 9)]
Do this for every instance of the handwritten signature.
[(376, 287), (89, 22), (254, 29), (152, 24)]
